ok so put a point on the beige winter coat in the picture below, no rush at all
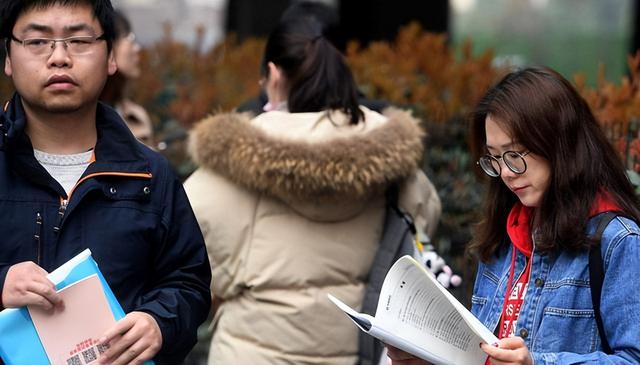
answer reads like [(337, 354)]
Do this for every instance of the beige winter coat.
[(291, 207)]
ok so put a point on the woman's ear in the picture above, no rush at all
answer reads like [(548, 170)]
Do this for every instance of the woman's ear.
[(275, 84), (275, 74)]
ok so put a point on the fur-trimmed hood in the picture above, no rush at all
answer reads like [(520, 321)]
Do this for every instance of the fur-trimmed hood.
[(342, 166)]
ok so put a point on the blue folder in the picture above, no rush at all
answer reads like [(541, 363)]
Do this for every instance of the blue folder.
[(19, 341)]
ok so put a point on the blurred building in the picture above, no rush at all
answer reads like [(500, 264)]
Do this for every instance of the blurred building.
[(149, 18), (364, 20), (568, 35)]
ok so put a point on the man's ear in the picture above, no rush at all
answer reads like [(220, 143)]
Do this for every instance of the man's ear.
[(112, 66), (8, 70)]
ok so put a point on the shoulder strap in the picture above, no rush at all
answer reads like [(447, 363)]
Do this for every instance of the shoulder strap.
[(397, 240), (596, 276)]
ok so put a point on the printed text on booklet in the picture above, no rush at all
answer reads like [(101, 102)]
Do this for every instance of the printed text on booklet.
[(416, 314)]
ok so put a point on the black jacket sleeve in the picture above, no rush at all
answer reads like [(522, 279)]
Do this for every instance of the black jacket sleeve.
[(180, 297), (4, 269)]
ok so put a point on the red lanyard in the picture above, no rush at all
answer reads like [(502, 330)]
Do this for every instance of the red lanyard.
[(504, 332)]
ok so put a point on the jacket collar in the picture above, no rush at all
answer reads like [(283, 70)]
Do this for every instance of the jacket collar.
[(337, 169), (116, 149)]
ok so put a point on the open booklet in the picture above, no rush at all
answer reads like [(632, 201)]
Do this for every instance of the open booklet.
[(417, 315)]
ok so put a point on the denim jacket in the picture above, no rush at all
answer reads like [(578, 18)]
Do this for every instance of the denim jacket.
[(557, 320)]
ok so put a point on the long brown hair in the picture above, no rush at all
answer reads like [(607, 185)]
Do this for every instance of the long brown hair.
[(547, 116)]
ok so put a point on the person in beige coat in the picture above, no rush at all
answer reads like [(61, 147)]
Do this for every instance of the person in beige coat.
[(292, 202)]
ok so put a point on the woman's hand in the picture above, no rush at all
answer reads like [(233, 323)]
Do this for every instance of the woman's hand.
[(511, 350), (399, 357)]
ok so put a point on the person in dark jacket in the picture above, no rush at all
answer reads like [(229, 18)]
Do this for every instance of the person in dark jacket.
[(72, 176)]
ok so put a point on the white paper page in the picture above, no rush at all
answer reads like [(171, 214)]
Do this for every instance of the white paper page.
[(367, 324), (413, 305), (362, 320), (473, 322)]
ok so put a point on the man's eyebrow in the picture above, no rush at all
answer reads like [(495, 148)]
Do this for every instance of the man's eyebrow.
[(78, 27), (47, 29), (37, 28)]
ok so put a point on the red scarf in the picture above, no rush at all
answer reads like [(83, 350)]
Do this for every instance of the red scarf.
[(519, 231)]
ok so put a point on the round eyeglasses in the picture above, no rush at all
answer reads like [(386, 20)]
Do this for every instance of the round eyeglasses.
[(513, 160)]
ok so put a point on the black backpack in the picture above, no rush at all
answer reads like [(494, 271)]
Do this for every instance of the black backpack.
[(398, 239), (596, 276)]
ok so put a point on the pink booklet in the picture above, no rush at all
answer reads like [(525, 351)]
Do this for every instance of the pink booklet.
[(70, 335)]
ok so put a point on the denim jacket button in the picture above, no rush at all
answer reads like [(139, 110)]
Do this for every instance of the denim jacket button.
[(524, 333), (539, 282), (113, 190)]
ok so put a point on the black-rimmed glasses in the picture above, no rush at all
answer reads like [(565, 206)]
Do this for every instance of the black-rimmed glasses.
[(513, 160), (75, 46)]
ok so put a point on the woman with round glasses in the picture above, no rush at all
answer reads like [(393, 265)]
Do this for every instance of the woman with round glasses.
[(552, 173)]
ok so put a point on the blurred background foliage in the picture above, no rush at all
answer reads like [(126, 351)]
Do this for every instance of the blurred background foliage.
[(418, 70), (422, 71)]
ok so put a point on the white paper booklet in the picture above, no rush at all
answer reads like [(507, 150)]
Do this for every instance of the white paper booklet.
[(417, 315)]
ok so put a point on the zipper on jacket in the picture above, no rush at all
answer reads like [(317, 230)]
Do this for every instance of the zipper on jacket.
[(65, 202), (61, 210), (37, 236)]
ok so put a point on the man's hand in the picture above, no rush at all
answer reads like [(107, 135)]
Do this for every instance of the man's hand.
[(133, 340), (26, 284), (399, 357), (511, 350)]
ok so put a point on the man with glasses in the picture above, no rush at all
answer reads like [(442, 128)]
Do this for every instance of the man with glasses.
[(72, 176)]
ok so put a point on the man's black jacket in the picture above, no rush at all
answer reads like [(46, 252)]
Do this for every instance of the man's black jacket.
[(128, 208)]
